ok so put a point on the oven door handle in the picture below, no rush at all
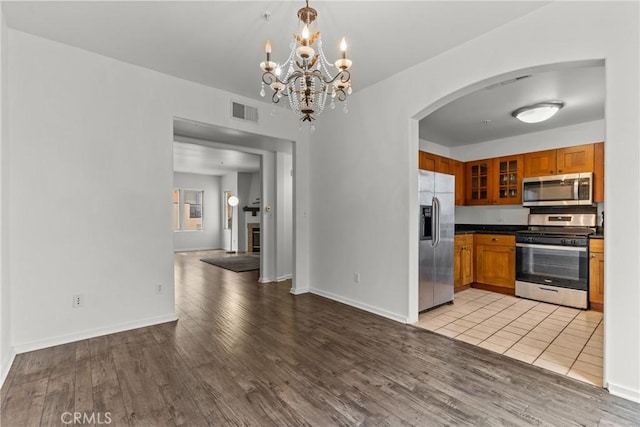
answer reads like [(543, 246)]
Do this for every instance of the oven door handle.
[(552, 247)]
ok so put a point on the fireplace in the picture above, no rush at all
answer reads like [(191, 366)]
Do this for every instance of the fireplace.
[(253, 237)]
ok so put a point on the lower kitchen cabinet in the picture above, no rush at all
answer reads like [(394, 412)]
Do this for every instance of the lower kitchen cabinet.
[(596, 275), (462, 262), (496, 261)]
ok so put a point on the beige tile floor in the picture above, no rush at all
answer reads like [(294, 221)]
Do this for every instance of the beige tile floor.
[(561, 339)]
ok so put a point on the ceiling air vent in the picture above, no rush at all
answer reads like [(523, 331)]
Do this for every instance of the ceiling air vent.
[(507, 82), (244, 112)]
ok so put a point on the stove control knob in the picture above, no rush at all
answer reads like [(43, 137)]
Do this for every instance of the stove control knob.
[(563, 241)]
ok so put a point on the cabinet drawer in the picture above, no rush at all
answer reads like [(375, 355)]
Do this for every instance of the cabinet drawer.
[(596, 245), (463, 239), (495, 239)]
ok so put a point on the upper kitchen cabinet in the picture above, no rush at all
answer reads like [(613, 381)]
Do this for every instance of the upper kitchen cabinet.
[(579, 158), (508, 189), (479, 176), (427, 161), (433, 162), (459, 173), (575, 159), (494, 181), (540, 163), (598, 172)]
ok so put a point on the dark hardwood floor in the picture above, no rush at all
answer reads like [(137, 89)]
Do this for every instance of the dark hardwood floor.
[(244, 353)]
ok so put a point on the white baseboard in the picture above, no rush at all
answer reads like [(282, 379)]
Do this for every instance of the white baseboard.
[(264, 280), (283, 278), (6, 365), (92, 333), (624, 392), (366, 307), (299, 291)]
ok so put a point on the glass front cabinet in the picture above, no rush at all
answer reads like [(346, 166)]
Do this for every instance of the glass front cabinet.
[(495, 181)]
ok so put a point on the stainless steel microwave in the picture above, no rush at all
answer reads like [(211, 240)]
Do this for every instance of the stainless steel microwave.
[(558, 190)]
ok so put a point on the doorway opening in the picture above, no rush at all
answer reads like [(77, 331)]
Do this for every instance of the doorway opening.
[(474, 128), (257, 171)]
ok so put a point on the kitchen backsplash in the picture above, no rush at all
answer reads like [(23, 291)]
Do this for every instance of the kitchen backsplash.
[(512, 215), (507, 215)]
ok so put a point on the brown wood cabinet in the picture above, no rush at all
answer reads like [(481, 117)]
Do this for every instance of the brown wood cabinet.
[(459, 173), (574, 159), (427, 161), (596, 275), (508, 180), (495, 181), (462, 261), (498, 181), (433, 162), (540, 163), (496, 260), (479, 174), (598, 172)]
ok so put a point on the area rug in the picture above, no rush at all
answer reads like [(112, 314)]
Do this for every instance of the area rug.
[(238, 263)]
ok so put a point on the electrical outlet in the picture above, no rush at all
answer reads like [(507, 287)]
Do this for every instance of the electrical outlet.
[(356, 277), (159, 289), (78, 301)]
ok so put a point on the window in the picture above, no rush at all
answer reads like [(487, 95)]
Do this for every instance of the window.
[(192, 209), (189, 216)]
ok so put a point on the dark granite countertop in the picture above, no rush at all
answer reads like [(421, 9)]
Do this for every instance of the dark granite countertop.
[(488, 228)]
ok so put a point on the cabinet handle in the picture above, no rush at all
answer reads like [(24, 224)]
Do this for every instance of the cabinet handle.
[(551, 172), (495, 239), (593, 255), (559, 170)]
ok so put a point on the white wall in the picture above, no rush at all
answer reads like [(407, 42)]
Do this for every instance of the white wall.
[(229, 182), (89, 135), (363, 177), (432, 147), (6, 352), (284, 226), (582, 133), (210, 237)]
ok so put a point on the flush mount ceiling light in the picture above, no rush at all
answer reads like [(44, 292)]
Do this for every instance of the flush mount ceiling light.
[(537, 113), (308, 80)]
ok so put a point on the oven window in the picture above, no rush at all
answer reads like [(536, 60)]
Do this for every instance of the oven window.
[(560, 266)]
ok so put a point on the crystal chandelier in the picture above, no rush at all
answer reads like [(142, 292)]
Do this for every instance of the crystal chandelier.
[(308, 80)]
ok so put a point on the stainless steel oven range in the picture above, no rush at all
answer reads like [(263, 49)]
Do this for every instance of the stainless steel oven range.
[(552, 263)]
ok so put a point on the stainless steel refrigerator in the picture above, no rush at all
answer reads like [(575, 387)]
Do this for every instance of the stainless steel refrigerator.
[(437, 229)]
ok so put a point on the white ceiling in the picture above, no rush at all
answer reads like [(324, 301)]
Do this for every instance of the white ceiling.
[(195, 158), (485, 115), (220, 43), (215, 150)]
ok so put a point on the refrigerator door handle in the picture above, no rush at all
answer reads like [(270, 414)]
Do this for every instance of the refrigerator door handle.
[(436, 222)]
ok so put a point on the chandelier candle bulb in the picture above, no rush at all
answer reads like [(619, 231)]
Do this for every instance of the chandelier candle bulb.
[(343, 48), (267, 49)]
